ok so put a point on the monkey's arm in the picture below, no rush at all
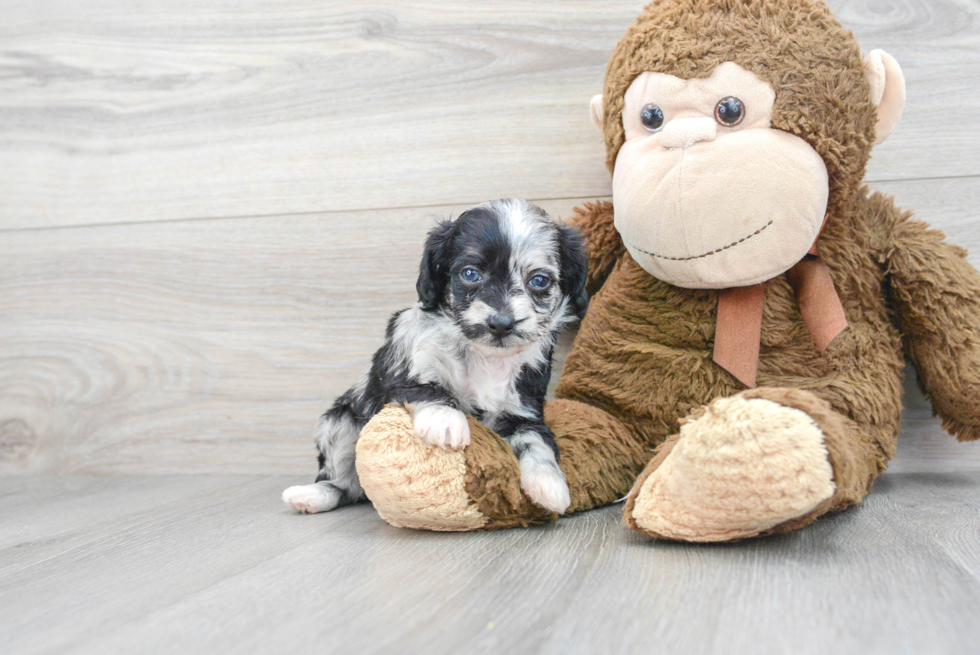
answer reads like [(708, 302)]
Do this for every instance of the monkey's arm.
[(603, 245), (936, 295)]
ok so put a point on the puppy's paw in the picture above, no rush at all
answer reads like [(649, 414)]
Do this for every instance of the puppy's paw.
[(545, 485), (441, 426), (311, 498)]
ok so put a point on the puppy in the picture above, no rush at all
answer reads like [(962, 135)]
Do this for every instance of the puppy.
[(495, 288)]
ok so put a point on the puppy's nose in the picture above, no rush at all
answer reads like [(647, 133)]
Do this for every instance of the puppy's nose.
[(501, 324)]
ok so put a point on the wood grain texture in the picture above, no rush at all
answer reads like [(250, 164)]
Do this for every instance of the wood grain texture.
[(203, 346), (216, 564), (119, 112)]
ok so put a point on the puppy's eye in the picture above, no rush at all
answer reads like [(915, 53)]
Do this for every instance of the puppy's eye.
[(470, 275), (539, 282), (652, 117), (729, 111)]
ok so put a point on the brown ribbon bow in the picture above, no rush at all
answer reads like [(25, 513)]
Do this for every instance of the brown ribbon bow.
[(738, 328)]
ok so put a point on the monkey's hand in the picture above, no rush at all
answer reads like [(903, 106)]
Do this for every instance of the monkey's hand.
[(603, 245), (936, 296)]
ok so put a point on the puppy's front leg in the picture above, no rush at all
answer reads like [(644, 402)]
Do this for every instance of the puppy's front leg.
[(435, 416), (541, 478)]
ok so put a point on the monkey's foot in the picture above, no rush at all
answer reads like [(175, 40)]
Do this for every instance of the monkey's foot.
[(744, 466), (416, 485)]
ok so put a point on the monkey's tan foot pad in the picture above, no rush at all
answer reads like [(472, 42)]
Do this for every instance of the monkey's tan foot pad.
[(739, 469), (416, 485)]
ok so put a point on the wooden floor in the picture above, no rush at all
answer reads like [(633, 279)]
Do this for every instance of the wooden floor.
[(215, 564), (208, 208)]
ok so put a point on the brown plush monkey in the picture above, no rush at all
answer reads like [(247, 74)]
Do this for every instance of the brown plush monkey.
[(740, 365)]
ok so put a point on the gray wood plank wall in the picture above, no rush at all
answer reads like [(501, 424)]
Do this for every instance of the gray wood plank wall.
[(208, 209)]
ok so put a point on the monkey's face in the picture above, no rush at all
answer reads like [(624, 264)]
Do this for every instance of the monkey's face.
[(706, 193)]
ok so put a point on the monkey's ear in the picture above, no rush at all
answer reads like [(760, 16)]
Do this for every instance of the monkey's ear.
[(434, 269), (887, 85), (595, 111), (574, 269)]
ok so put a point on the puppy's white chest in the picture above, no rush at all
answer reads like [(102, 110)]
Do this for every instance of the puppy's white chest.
[(490, 385)]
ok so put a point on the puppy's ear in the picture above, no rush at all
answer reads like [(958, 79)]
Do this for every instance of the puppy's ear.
[(434, 269), (574, 268)]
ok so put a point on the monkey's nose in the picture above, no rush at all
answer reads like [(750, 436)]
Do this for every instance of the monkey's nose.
[(501, 324), (684, 132)]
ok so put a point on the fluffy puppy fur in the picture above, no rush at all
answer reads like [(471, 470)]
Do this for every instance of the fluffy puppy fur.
[(495, 288)]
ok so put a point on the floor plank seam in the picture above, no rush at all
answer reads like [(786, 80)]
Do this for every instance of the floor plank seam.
[(432, 206)]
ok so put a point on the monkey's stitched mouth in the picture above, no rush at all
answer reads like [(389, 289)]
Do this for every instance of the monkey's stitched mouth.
[(707, 254)]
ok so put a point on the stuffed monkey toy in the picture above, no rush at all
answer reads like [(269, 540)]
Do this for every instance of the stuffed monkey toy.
[(739, 372)]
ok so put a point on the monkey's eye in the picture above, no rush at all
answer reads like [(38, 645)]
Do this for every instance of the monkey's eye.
[(470, 275), (539, 282), (729, 111), (652, 117)]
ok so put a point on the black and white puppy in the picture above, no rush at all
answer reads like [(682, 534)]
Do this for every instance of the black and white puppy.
[(495, 288)]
